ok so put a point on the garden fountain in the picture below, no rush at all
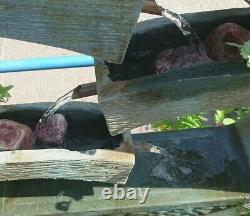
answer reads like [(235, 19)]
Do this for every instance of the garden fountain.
[(204, 169)]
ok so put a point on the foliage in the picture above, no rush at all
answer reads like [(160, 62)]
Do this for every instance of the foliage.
[(221, 117), (4, 93), (241, 112), (230, 116), (245, 52), (183, 122)]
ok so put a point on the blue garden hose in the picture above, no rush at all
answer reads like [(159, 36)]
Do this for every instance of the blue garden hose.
[(46, 63)]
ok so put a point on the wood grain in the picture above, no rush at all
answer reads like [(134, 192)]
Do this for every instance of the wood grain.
[(130, 104), (98, 28), (95, 165), (83, 198)]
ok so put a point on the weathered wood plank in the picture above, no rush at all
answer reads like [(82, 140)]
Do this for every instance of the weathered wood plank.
[(94, 165), (234, 211), (28, 198), (130, 104), (99, 28)]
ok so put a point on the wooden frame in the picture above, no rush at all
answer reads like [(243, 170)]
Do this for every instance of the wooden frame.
[(102, 165)]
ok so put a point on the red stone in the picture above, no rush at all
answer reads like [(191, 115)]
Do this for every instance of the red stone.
[(14, 135), (217, 48), (54, 130), (180, 57)]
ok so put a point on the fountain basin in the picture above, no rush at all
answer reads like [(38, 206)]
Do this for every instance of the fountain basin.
[(87, 147), (132, 94)]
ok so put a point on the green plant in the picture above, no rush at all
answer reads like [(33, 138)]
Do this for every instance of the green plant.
[(4, 93), (245, 52), (183, 122), (221, 117), (241, 112)]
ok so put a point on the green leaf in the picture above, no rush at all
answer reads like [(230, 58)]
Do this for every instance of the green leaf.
[(163, 125), (241, 112), (183, 122), (245, 52), (228, 121), (4, 93), (219, 116), (190, 121)]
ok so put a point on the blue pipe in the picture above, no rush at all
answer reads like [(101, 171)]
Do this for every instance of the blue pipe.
[(46, 63)]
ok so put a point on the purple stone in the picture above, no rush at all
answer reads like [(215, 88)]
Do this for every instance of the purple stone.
[(54, 130)]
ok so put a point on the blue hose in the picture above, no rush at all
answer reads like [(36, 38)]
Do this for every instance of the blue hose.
[(46, 63)]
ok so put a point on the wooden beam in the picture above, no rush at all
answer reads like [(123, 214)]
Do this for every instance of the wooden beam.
[(234, 211), (133, 103), (94, 165), (98, 28), (58, 197)]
